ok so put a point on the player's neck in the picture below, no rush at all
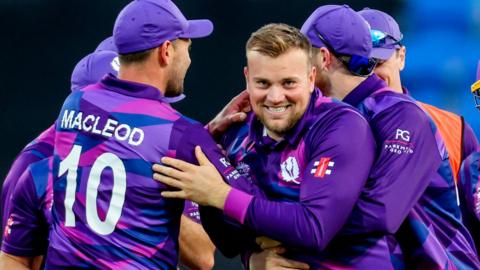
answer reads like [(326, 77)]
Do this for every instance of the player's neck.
[(396, 85), (342, 84), (138, 74)]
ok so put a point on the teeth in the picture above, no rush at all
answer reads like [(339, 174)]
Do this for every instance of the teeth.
[(277, 109)]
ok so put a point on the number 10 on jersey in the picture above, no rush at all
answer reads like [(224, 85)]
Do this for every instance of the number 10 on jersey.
[(70, 166)]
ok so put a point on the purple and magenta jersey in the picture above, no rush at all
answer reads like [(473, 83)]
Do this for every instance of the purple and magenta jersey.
[(469, 189), (412, 192), (40, 148), (191, 211), (311, 180), (27, 227), (107, 210)]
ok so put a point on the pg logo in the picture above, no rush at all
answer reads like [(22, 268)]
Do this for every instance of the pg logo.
[(403, 135)]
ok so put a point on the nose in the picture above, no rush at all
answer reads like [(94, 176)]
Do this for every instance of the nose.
[(275, 95)]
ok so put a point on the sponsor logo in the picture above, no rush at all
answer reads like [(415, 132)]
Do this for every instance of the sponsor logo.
[(290, 170), (225, 162), (322, 167), (403, 135), (399, 147)]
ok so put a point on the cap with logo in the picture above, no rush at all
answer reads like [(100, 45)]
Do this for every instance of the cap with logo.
[(146, 24), (345, 33), (385, 33), (93, 67)]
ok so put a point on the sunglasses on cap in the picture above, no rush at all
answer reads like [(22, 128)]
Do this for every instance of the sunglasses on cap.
[(381, 39), (356, 64), (476, 93)]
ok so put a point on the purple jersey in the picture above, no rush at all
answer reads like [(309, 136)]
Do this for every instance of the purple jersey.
[(191, 211), (26, 231), (108, 211), (412, 190), (40, 148), (469, 189), (311, 181)]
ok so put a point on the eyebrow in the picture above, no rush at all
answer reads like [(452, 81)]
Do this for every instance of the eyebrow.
[(260, 79)]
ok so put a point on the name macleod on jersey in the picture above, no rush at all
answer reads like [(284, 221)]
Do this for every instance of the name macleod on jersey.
[(72, 119)]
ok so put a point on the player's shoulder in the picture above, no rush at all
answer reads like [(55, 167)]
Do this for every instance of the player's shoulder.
[(334, 111), (390, 104)]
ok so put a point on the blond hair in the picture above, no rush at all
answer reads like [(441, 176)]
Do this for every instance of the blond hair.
[(277, 38)]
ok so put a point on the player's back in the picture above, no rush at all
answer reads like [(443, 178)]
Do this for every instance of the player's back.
[(108, 212)]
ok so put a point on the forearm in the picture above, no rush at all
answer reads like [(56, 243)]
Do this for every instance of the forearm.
[(296, 225), (196, 248), (11, 262)]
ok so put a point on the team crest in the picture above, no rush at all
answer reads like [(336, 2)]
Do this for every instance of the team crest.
[(290, 170)]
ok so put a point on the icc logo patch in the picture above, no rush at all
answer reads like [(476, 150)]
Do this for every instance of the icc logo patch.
[(322, 167)]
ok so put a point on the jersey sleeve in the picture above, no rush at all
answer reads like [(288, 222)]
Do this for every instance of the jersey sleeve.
[(26, 230), (191, 211), (408, 158), (341, 154), (40, 148)]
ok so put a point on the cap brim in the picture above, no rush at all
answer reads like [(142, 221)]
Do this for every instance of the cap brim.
[(198, 29), (382, 53)]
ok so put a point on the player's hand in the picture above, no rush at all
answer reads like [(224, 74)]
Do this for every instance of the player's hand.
[(235, 111), (201, 184), (266, 243), (271, 259)]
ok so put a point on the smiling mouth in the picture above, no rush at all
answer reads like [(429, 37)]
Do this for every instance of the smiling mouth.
[(277, 109)]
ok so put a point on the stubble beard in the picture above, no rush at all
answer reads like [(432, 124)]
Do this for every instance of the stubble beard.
[(175, 84), (280, 129)]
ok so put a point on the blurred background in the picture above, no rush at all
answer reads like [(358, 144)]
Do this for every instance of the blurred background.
[(42, 40)]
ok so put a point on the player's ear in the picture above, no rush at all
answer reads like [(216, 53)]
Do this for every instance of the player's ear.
[(402, 53), (324, 58), (245, 72), (165, 53), (311, 78)]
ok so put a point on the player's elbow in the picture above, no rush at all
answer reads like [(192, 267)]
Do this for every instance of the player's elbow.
[(203, 261), (208, 263)]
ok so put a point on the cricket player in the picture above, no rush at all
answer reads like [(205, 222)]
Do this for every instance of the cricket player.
[(411, 166), (459, 140), (107, 136), (196, 249), (469, 184), (390, 53), (297, 147)]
